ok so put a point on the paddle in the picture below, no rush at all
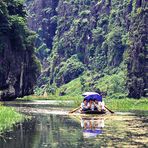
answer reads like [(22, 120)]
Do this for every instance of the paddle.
[(109, 109), (75, 109)]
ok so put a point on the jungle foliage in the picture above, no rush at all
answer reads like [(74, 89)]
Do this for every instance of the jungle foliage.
[(19, 66), (106, 38)]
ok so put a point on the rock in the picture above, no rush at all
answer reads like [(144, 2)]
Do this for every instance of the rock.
[(18, 65)]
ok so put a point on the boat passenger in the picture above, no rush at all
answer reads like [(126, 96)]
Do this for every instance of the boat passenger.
[(99, 105), (84, 106), (91, 105), (96, 103), (102, 105)]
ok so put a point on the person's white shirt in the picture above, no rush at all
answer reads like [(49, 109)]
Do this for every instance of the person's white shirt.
[(92, 106), (83, 105), (100, 105)]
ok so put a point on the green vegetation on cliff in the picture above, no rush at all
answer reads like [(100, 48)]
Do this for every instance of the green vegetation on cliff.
[(18, 65), (100, 44)]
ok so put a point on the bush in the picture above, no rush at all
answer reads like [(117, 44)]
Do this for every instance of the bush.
[(113, 84), (69, 70)]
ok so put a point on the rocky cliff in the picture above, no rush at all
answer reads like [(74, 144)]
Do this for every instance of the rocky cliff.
[(92, 35), (138, 53), (18, 65), (42, 18)]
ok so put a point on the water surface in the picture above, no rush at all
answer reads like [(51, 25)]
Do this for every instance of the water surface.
[(52, 127)]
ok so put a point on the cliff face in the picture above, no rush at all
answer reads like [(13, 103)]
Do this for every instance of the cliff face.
[(138, 53), (18, 65), (42, 18), (91, 35)]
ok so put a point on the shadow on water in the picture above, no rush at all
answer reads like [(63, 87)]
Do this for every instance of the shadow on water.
[(74, 131)]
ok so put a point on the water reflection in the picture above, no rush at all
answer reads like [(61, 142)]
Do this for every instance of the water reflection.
[(58, 131), (43, 131), (49, 129), (92, 127)]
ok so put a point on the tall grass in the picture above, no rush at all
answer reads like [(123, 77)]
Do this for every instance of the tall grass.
[(127, 104), (8, 117)]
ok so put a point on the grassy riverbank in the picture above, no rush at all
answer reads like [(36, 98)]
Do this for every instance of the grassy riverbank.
[(8, 117), (125, 104)]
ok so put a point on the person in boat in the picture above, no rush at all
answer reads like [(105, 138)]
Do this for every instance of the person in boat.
[(91, 105), (99, 105), (84, 106), (96, 105)]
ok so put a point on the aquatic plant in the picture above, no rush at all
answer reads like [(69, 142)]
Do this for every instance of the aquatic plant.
[(8, 118)]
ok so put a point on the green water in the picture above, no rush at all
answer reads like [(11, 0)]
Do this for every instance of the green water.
[(49, 129)]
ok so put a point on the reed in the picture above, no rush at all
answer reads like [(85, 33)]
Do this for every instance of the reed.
[(127, 104), (8, 117)]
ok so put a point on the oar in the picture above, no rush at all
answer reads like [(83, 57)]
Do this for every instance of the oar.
[(109, 109), (75, 109)]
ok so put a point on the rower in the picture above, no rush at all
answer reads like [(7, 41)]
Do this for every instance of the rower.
[(84, 106), (99, 104), (91, 105)]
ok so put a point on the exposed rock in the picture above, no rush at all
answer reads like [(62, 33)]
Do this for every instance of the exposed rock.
[(100, 34), (18, 65), (138, 55)]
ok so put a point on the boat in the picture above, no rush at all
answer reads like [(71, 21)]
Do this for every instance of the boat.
[(78, 111), (93, 112)]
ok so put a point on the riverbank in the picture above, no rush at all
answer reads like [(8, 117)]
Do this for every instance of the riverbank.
[(128, 104), (125, 104), (9, 117)]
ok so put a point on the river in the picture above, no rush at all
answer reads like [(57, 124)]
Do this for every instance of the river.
[(51, 126)]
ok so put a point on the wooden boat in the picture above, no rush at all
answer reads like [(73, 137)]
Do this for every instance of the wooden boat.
[(93, 112)]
